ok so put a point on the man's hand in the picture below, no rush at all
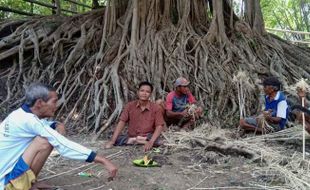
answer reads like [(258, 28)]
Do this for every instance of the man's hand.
[(148, 146), (112, 169), (185, 114), (60, 128), (301, 93), (267, 114), (110, 144)]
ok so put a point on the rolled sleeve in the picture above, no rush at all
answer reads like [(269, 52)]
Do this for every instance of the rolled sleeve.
[(91, 157), (53, 125)]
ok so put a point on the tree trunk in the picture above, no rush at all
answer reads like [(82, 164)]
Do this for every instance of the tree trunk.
[(254, 16)]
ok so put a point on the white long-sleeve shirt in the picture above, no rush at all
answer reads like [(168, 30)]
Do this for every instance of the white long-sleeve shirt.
[(19, 129)]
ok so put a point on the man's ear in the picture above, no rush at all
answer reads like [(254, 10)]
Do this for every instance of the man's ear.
[(38, 103)]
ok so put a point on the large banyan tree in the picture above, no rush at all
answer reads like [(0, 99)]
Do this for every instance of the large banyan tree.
[(96, 60)]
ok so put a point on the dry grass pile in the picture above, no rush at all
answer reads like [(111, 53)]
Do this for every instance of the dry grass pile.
[(275, 159), (242, 81), (302, 84)]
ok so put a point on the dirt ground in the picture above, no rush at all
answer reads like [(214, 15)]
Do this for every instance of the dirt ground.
[(181, 169)]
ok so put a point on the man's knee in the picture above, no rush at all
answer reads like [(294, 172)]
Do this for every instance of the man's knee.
[(241, 122), (38, 144), (42, 143)]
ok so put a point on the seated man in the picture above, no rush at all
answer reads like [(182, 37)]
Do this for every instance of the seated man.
[(26, 140), (274, 116), (180, 105), (144, 118)]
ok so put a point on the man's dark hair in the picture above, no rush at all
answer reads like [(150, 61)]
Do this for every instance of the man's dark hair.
[(37, 91), (146, 83), (272, 81)]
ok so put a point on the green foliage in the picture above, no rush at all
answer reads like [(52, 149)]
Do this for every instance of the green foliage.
[(38, 9), (289, 15), (13, 4)]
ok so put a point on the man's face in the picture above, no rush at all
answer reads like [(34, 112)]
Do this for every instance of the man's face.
[(183, 89), (48, 108), (144, 92), (268, 89)]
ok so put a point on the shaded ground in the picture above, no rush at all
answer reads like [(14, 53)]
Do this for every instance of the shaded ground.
[(182, 169)]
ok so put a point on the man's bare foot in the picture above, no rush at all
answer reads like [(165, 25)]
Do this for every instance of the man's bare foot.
[(109, 145), (42, 185), (141, 140), (132, 140)]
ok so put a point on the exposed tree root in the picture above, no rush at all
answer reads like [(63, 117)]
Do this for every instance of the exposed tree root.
[(97, 59)]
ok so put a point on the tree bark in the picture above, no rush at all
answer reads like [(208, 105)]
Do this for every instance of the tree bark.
[(254, 16)]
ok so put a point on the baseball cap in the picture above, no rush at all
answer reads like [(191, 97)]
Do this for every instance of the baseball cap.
[(272, 81), (181, 81)]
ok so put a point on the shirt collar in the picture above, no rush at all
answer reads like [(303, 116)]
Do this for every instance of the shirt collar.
[(148, 105), (277, 95), (26, 108), (179, 96)]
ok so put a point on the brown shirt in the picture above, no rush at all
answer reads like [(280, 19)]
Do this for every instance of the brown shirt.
[(141, 122)]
